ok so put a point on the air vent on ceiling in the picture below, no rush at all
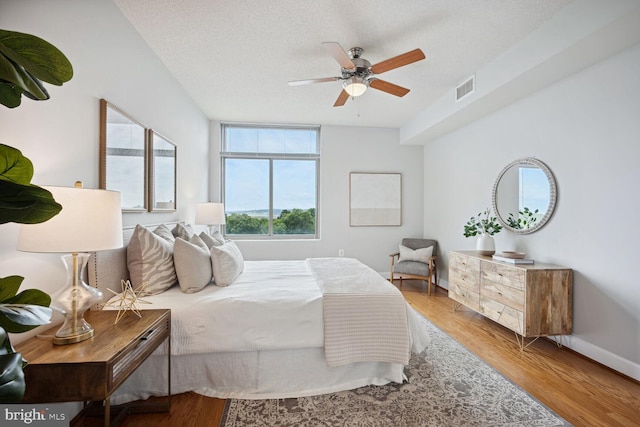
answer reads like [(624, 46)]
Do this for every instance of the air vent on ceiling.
[(465, 88)]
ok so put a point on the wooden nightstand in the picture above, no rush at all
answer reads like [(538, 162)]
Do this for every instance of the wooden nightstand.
[(90, 371)]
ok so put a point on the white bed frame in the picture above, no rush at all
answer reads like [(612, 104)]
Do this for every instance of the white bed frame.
[(245, 375)]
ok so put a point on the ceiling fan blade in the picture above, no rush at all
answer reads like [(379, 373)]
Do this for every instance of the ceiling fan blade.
[(342, 98), (398, 61), (309, 81), (338, 53), (388, 87)]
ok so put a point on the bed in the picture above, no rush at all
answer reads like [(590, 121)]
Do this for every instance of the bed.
[(280, 329)]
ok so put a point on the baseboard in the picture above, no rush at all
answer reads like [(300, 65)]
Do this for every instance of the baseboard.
[(593, 352), (604, 357)]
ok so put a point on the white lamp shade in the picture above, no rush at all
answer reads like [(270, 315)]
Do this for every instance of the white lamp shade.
[(210, 213), (90, 220)]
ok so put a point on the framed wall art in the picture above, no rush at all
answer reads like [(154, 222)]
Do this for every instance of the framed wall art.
[(375, 199)]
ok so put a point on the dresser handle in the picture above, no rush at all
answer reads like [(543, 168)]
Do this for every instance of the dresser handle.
[(146, 336)]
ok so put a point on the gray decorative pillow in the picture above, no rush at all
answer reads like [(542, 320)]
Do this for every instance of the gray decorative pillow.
[(420, 255), (184, 231), (227, 263), (193, 264), (165, 232), (215, 240), (150, 261)]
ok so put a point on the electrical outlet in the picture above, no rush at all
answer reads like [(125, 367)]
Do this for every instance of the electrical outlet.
[(340, 252)]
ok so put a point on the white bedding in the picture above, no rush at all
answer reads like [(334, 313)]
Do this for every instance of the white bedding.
[(272, 305), (255, 312), (263, 339)]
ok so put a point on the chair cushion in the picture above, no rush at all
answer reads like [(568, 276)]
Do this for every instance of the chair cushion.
[(411, 267)]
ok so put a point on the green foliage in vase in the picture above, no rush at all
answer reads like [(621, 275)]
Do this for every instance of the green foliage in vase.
[(526, 219), (483, 223)]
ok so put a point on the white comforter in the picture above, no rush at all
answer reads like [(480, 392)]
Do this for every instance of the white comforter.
[(272, 305)]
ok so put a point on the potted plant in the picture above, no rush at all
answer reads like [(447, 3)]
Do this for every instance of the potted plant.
[(26, 61), (484, 226)]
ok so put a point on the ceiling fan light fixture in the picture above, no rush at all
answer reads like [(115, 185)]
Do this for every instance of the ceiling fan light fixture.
[(355, 85)]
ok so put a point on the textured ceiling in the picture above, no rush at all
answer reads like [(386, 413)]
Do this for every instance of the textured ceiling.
[(235, 57)]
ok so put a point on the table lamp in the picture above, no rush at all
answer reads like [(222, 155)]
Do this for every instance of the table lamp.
[(210, 214), (90, 220)]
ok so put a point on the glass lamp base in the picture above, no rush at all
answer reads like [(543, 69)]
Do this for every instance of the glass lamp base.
[(71, 339), (73, 300)]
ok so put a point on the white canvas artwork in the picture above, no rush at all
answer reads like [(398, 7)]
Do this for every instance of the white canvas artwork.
[(375, 199)]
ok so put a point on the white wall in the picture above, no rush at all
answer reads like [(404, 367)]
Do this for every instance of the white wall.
[(345, 150), (60, 135), (586, 129)]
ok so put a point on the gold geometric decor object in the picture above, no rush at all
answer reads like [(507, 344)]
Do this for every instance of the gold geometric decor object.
[(129, 300)]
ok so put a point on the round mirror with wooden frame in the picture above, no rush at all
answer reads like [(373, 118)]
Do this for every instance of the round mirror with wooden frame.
[(524, 196)]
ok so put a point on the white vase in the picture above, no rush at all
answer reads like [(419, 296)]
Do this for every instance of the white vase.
[(485, 245)]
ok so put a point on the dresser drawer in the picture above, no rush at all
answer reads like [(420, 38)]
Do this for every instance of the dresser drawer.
[(503, 294), (503, 275), (464, 296), (464, 271), (506, 316)]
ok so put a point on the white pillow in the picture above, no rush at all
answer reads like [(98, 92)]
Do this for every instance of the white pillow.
[(183, 231), (227, 263), (214, 240), (420, 255), (193, 264), (150, 262), (165, 232)]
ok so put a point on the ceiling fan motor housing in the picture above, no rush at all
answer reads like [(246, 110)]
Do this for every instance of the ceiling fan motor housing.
[(362, 69)]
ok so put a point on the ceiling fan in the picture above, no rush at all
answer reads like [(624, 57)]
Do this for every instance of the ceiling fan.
[(357, 74)]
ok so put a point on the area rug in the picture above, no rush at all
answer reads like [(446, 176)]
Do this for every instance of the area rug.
[(446, 386)]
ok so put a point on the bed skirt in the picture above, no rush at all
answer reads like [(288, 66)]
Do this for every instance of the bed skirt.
[(270, 374)]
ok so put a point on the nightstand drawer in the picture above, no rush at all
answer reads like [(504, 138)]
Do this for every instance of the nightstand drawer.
[(139, 350)]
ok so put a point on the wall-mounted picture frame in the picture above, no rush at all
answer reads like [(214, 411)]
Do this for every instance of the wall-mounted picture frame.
[(123, 157), (163, 158), (375, 199)]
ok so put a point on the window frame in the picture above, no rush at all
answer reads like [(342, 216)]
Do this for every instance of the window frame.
[(271, 157)]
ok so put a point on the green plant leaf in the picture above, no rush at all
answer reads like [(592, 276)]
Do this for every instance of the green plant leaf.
[(10, 95), (14, 166), (25, 311), (30, 297), (26, 204), (25, 314), (39, 57), (12, 384), (16, 74), (9, 287)]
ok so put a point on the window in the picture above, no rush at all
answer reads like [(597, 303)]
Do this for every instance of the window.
[(270, 180)]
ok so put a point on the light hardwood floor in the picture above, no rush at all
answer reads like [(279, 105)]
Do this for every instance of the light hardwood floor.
[(581, 391)]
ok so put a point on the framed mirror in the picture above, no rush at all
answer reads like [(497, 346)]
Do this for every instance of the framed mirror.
[(123, 157), (524, 196), (162, 177)]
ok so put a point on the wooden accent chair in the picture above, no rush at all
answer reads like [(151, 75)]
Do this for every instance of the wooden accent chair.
[(414, 260)]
